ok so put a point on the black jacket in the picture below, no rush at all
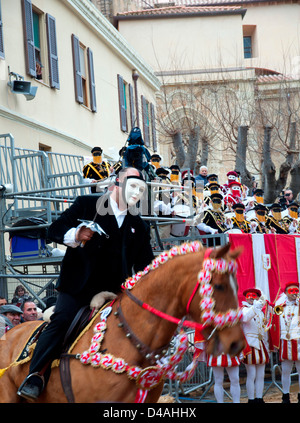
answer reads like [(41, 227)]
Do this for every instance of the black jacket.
[(103, 263)]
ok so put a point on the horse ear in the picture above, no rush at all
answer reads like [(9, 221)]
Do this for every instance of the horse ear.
[(220, 252), (237, 252)]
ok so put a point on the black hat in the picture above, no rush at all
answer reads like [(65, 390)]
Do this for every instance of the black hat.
[(161, 171), (260, 207), (212, 175), (219, 196), (213, 184), (96, 149), (275, 206), (155, 156), (238, 206), (258, 191), (293, 204), (175, 167)]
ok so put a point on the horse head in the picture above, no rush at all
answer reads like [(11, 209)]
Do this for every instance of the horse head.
[(217, 297)]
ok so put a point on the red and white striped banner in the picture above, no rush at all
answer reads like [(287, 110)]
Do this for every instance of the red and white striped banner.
[(267, 263)]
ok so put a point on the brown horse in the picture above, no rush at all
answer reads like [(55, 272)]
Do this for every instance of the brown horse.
[(168, 288)]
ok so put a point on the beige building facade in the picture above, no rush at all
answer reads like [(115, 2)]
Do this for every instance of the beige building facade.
[(93, 86), (241, 51)]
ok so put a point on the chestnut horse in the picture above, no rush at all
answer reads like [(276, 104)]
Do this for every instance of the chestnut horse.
[(167, 287)]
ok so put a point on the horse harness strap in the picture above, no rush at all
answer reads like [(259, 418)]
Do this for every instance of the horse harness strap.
[(151, 355), (172, 319)]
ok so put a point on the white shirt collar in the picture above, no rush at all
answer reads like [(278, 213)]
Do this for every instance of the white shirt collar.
[(119, 214)]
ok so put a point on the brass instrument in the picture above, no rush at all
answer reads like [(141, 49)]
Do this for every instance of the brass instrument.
[(278, 309)]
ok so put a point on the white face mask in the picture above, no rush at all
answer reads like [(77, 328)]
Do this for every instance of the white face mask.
[(134, 190)]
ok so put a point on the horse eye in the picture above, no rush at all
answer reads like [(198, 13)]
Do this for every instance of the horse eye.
[(219, 287)]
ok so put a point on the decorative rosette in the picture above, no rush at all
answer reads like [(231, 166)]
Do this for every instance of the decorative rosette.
[(209, 264), (100, 327), (173, 252), (195, 246), (207, 303), (96, 360), (149, 378), (221, 265), (183, 249), (204, 276), (162, 258), (106, 361), (133, 372), (208, 317), (205, 289), (85, 357), (94, 347), (219, 320), (155, 263), (119, 365), (231, 317), (98, 337), (232, 266), (129, 283)]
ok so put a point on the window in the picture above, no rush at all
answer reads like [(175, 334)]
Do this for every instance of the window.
[(146, 120), (85, 89), (247, 47), (40, 45), (149, 127), (126, 104), (249, 41), (1, 36)]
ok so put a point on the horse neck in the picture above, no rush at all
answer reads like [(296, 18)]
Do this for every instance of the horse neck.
[(166, 289)]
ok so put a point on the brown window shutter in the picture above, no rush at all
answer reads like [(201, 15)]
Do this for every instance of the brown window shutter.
[(77, 73), (122, 106), (92, 80), (28, 38), (2, 55), (131, 99), (145, 121), (52, 51), (153, 127)]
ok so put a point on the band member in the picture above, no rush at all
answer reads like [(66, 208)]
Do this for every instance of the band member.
[(175, 174), (260, 219), (258, 195), (231, 176), (256, 356), (274, 220), (239, 221), (219, 364), (287, 308), (212, 188), (234, 195), (214, 221), (97, 169), (155, 160), (291, 218)]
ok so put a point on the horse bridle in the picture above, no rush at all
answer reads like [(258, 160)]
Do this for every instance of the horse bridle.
[(211, 319)]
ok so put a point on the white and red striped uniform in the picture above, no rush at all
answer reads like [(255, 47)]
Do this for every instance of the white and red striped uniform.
[(223, 360), (257, 339), (290, 332)]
